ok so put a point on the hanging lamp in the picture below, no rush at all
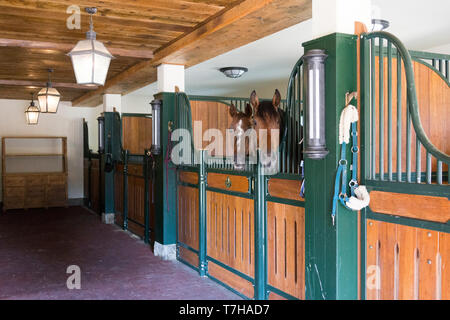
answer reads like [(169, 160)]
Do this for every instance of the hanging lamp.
[(90, 58), (49, 97), (32, 113)]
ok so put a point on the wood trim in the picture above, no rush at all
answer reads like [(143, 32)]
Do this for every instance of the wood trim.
[(238, 183), (285, 189), (231, 279), (411, 206), (22, 83), (188, 177)]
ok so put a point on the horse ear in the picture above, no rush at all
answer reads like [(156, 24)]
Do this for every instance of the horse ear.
[(276, 99), (233, 110), (254, 100), (248, 110)]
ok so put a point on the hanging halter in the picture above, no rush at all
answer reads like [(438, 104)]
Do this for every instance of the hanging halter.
[(359, 197)]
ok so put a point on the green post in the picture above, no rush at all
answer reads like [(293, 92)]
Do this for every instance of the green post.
[(165, 182), (125, 189), (203, 264), (146, 197), (260, 233), (331, 250)]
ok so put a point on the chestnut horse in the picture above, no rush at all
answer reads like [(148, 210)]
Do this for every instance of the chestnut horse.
[(266, 119)]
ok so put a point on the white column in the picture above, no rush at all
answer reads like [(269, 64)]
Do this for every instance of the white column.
[(330, 16), (169, 77), (111, 102)]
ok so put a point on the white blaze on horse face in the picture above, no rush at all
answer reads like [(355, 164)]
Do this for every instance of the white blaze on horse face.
[(182, 151)]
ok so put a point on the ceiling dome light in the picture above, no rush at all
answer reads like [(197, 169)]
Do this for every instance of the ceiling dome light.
[(379, 25), (233, 72), (32, 113), (49, 97), (90, 58)]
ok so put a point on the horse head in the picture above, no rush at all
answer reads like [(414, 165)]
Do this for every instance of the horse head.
[(241, 125)]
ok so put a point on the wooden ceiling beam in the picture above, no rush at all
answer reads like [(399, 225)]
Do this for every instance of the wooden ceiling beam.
[(233, 27), (41, 84), (65, 47)]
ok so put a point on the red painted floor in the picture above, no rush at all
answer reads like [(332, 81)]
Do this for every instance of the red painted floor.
[(37, 246)]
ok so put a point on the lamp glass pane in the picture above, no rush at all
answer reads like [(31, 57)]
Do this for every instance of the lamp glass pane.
[(52, 103), (32, 115), (82, 65), (101, 67), (42, 99)]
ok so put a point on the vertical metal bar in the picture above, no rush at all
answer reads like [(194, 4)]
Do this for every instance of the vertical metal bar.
[(447, 72), (381, 107), (440, 65), (146, 198), (428, 168), (125, 190), (408, 142), (389, 110), (439, 172), (365, 110), (418, 161), (399, 117), (260, 233), (203, 264), (373, 107)]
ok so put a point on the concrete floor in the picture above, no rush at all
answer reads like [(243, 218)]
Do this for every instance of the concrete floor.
[(37, 246)]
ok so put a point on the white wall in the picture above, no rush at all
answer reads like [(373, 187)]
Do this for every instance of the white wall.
[(67, 122)]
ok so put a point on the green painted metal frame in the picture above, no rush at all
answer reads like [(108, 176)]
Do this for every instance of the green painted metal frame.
[(386, 182)]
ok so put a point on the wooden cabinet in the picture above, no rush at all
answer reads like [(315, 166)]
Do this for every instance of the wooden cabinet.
[(34, 189)]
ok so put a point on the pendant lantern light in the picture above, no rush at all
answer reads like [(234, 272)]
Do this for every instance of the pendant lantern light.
[(49, 97), (32, 113), (90, 58)]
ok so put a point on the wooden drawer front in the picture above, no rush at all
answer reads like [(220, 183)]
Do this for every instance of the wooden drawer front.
[(35, 191), (36, 180), (13, 203), (35, 202), (57, 180), (53, 189), (228, 182), (14, 181), (15, 192)]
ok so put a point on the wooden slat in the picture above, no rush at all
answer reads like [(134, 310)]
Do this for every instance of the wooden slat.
[(412, 206)]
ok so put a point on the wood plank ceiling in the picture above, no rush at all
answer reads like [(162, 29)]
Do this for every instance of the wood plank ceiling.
[(141, 34)]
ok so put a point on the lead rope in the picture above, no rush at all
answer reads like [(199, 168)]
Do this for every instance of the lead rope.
[(359, 197)]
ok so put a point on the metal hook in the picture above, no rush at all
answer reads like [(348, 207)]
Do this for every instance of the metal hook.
[(349, 97)]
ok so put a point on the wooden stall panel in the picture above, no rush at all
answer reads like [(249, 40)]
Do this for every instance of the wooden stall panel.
[(231, 279), (188, 177), (433, 96), (188, 256), (230, 231), (286, 248), (137, 134), (188, 222), (228, 182), (285, 189), (212, 115), (405, 263)]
